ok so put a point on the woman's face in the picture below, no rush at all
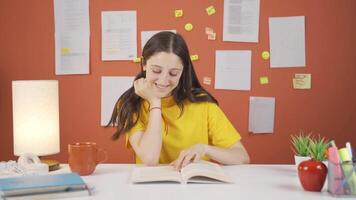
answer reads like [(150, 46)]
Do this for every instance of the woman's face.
[(163, 70)]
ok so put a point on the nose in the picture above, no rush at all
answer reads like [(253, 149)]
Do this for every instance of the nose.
[(163, 79)]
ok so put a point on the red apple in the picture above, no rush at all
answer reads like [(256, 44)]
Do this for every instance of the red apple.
[(312, 174)]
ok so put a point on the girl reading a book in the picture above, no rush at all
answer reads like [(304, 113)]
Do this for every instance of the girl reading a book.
[(168, 117)]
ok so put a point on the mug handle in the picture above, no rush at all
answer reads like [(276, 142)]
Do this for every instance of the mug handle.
[(105, 155)]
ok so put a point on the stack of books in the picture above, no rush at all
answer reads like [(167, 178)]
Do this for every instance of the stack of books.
[(43, 187)]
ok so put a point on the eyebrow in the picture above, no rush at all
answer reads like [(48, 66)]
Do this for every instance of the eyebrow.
[(175, 68)]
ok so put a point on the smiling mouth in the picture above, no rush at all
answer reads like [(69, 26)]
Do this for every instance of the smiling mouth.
[(162, 86)]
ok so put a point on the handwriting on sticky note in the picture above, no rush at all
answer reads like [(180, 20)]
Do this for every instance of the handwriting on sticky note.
[(194, 57), (206, 80), (302, 81), (212, 36), (263, 80), (178, 13), (210, 10), (210, 32)]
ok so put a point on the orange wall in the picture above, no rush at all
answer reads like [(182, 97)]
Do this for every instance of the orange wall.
[(329, 108)]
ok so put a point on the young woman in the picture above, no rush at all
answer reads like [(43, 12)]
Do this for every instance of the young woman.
[(168, 117)]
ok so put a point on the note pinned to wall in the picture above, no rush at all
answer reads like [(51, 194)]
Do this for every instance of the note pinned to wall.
[(302, 81), (206, 80), (233, 69), (210, 32), (210, 10), (112, 87), (72, 31), (146, 35), (261, 114), (118, 32), (241, 20), (264, 80), (137, 60), (287, 41), (194, 57), (178, 13), (188, 27)]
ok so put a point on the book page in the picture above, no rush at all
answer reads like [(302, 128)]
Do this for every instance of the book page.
[(204, 172), (155, 174)]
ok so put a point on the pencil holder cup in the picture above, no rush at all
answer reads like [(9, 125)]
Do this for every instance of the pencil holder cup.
[(342, 179)]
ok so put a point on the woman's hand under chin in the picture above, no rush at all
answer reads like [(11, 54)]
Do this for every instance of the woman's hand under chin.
[(145, 90)]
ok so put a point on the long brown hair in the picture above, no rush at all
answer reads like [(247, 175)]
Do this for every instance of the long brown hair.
[(127, 108)]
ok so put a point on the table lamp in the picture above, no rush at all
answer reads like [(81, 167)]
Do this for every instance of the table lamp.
[(36, 118)]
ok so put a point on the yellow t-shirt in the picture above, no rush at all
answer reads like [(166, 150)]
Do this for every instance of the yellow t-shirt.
[(200, 123)]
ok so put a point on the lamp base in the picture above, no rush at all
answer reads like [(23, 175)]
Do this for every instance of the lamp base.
[(52, 164)]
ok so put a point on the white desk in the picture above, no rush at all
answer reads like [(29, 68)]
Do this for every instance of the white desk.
[(111, 182)]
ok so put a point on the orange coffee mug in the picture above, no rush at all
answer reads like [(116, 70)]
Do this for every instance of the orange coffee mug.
[(83, 157)]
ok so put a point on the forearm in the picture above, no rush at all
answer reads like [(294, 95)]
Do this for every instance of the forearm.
[(229, 156), (149, 145)]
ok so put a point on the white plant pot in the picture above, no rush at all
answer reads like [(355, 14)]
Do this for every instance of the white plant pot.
[(299, 159), (326, 163)]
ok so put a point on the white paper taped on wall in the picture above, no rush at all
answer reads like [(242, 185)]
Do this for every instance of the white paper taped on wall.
[(261, 114)]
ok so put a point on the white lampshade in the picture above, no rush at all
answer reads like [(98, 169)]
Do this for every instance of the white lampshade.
[(35, 117)]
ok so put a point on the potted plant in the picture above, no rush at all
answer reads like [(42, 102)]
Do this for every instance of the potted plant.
[(312, 173), (300, 144)]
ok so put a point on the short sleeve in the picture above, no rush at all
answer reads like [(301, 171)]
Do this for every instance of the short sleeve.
[(139, 126), (221, 131)]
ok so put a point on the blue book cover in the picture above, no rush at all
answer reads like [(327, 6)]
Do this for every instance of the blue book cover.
[(41, 183)]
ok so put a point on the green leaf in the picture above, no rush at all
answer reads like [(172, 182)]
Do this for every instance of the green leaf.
[(318, 147), (301, 143)]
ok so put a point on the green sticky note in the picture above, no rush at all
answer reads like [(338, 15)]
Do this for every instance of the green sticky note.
[(263, 80)]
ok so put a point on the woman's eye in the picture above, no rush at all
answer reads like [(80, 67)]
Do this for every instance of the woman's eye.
[(156, 71), (173, 74)]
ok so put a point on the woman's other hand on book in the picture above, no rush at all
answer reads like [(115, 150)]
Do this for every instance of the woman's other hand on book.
[(189, 155)]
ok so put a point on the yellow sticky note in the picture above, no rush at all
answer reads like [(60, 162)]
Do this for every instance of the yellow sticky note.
[(178, 13), (188, 26), (65, 51), (265, 55), (206, 80), (212, 36), (137, 60), (194, 57), (302, 81), (263, 80), (210, 10)]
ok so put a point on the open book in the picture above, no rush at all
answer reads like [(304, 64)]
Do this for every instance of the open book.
[(198, 172)]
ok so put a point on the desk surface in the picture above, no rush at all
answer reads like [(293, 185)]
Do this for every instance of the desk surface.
[(111, 181)]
